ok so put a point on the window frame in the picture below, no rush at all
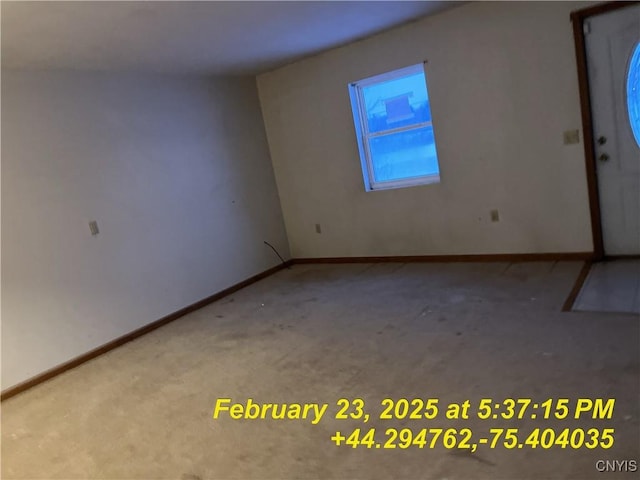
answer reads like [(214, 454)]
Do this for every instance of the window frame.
[(635, 130), (363, 135)]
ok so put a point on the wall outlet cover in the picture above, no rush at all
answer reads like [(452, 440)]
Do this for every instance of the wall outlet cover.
[(571, 137), (93, 226)]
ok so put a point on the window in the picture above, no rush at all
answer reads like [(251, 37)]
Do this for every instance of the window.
[(633, 93), (394, 130)]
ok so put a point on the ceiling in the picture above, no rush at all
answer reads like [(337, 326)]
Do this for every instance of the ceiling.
[(212, 38)]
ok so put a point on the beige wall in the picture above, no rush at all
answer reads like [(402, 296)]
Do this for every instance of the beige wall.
[(177, 174), (503, 88)]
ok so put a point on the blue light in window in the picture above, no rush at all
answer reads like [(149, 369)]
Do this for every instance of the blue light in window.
[(396, 103), (407, 154), (633, 93), (393, 120)]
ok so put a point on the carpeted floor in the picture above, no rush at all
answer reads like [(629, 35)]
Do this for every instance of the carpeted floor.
[(319, 333)]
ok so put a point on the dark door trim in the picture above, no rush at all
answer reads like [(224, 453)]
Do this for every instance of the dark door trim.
[(577, 19)]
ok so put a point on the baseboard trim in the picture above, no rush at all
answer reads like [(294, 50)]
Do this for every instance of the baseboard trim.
[(491, 257), (621, 257), (577, 286), (509, 257), (57, 370)]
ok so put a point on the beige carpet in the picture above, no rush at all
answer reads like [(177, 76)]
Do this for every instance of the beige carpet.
[(318, 333)]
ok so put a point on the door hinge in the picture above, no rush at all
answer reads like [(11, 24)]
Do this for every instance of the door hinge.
[(586, 27)]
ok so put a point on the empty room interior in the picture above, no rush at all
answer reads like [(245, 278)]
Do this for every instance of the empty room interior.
[(320, 240)]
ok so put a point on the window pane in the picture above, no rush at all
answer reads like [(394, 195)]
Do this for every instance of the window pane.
[(396, 103), (411, 153), (633, 93)]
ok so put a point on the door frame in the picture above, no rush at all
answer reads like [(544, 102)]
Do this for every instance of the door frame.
[(577, 19)]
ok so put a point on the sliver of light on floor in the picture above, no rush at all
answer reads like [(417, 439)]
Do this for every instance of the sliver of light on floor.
[(611, 286)]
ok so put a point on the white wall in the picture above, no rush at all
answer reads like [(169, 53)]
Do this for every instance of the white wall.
[(177, 173), (503, 88)]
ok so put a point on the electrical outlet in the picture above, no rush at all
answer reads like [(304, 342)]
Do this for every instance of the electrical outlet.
[(571, 137), (93, 226), (495, 216), (318, 228)]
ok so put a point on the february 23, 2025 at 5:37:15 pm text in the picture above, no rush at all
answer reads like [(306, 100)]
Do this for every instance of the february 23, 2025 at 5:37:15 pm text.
[(425, 423)]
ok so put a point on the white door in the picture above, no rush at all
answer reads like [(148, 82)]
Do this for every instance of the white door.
[(613, 61)]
